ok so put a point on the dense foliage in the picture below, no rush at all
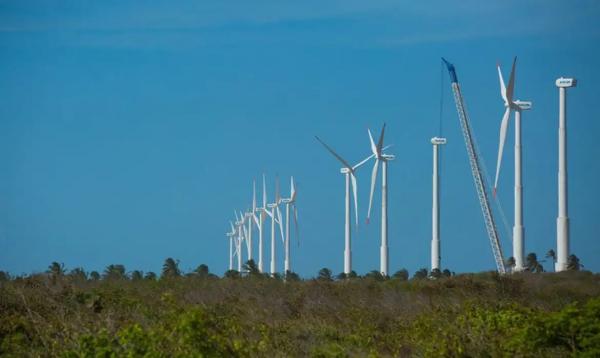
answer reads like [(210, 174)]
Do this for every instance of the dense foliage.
[(73, 314)]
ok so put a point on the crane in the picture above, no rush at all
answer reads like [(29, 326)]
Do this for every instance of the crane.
[(465, 125)]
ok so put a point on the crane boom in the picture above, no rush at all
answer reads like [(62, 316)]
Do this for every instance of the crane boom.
[(490, 225)]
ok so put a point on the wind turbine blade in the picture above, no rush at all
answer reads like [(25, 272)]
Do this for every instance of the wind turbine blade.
[(380, 142), (373, 181), (354, 189), (503, 129), (280, 221), (360, 164), (292, 190), (511, 84), (277, 197), (344, 162), (373, 146), (237, 248), (245, 234), (232, 227), (270, 214), (296, 224), (502, 87), (256, 221), (253, 196), (264, 205)]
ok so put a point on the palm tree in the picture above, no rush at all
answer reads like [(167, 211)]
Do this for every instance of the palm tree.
[(137, 275), (114, 272), (170, 269), (325, 274), (551, 255), (401, 275), (251, 268), (573, 263), (56, 269), (532, 264)]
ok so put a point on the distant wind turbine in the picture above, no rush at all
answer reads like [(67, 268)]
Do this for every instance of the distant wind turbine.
[(290, 204), (231, 235), (349, 173), (275, 215), (377, 150)]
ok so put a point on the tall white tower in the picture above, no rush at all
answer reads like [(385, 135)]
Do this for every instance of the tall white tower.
[(518, 228), (435, 207), (562, 222)]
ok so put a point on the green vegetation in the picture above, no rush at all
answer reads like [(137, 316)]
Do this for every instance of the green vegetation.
[(75, 314)]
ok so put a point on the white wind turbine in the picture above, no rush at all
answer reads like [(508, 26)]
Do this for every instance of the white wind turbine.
[(349, 173), (562, 221), (247, 235), (290, 203), (239, 223), (516, 106), (249, 217), (231, 236), (383, 158), (259, 221), (275, 215)]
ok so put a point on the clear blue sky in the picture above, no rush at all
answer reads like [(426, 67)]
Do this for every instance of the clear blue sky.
[(130, 133)]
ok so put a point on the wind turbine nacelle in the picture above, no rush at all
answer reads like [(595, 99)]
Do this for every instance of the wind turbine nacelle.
[(566, 82), (344, 170), (438, 141), (523, 105)]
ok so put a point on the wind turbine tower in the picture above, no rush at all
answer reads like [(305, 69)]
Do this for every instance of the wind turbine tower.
[(240, 226), (562, 222), (435, 208), (259, 221), (274, 212), (518, 228), (290, 203), (231, 235)]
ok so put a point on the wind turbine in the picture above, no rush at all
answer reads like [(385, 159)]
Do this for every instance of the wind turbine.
[(249, 216), (231, 235), (562, 221), (377, 150), (349, 173), (289, 203), (516, 106), (239, 223), (274, 213), (435, 208), (259, 221)]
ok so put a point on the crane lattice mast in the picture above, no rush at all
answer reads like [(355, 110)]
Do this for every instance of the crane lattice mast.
[(490, 225)]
